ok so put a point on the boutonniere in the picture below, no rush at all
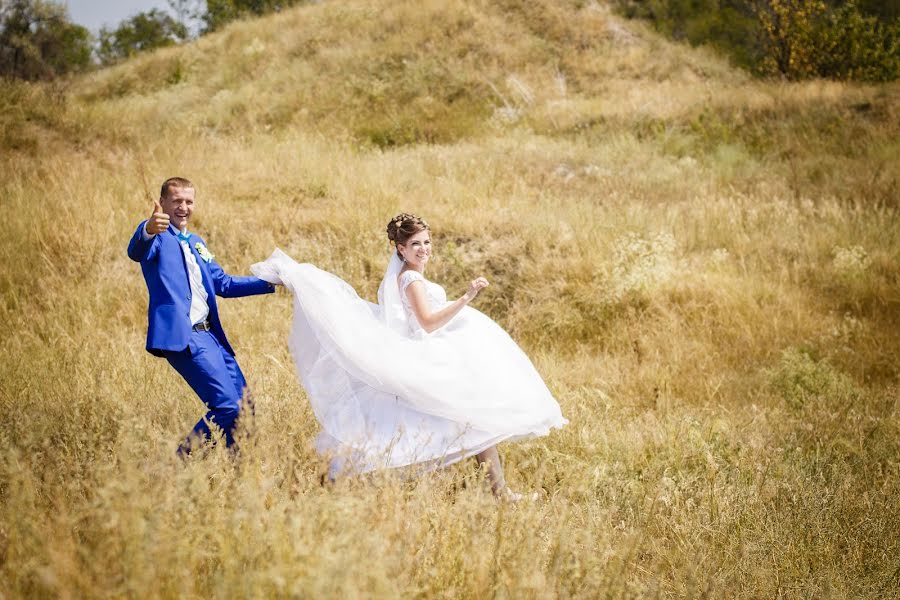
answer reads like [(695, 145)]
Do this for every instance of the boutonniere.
[(204, 252)]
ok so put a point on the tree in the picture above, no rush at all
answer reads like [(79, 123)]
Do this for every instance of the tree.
[(788, 35), (37, 40), (144, 31), (809, 38), (795, 39), (853, 45), (187, 11), (885, 10), (220, 12)]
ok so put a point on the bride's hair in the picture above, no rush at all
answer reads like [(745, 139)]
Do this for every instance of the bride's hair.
[(404, 226)]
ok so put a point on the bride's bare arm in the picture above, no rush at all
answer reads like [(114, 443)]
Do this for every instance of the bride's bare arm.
[(431, 320)]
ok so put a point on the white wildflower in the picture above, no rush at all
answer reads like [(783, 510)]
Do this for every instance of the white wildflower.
[(688, 162), (564, 172), (520, 89), (255, 48), (506, 115), (850, 261), (561, 84), (596, 171), (720, 256), (641, 264)]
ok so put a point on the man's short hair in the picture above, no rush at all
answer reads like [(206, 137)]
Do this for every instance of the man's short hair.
[(179, 182)]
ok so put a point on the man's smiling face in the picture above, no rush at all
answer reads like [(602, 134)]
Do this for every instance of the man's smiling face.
[(179, 205)]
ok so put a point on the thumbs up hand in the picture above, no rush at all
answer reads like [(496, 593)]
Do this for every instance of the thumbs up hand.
[(158, 221)]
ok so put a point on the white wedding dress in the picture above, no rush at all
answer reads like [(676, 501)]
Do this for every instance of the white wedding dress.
[(386, 393)]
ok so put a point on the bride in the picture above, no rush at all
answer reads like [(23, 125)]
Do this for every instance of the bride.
[(414, 381)]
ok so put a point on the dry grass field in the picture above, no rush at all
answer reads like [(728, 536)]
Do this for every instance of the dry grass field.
[(704, 267)]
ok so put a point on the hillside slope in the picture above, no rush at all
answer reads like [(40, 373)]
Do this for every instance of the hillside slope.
[(410, 71), (704, 267)]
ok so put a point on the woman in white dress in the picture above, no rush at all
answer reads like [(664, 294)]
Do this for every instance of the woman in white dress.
[(414, 381)]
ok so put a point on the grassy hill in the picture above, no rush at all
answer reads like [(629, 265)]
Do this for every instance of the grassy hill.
[(704, 267)]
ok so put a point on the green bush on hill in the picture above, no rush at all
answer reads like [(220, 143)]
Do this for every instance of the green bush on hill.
[(144, 31), (795, 39), (853, 45), (37, 41), (220, 12)]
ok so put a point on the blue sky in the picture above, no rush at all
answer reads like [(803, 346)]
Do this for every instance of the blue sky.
[(94, 14)]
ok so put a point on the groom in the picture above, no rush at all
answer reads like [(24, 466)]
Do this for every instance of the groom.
[(183, 280)]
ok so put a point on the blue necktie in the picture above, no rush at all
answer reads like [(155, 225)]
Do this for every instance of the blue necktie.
[(184, 237)]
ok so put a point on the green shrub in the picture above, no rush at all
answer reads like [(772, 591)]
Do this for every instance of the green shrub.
[(144, 31), (854, 46), (802, 380), (37, 41), (220, 12), (787, 38)]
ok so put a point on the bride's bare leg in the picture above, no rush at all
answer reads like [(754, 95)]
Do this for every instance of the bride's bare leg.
[(490, 459)]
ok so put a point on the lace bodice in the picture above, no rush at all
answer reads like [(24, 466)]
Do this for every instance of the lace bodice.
[(435, 294)]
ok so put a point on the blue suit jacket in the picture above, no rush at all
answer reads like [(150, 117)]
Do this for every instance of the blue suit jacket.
[(165, 271)]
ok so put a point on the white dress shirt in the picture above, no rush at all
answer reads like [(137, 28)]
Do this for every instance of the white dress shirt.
[(199, 297)]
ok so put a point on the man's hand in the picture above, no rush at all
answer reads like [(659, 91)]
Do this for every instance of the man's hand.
[(158, 221)]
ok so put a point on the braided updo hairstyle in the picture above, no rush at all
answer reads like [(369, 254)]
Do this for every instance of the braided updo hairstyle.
[(404, 226)]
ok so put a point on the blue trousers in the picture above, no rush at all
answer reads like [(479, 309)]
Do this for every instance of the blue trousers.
[(213, 373)]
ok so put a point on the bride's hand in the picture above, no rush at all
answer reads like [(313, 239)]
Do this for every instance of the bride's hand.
[(475, 286)]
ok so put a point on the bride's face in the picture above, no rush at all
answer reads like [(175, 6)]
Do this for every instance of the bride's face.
[(417, 249)]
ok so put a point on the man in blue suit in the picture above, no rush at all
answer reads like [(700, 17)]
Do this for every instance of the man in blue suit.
[(183, 280)]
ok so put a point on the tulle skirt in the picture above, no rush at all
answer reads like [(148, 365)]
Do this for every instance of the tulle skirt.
[(387, 400)]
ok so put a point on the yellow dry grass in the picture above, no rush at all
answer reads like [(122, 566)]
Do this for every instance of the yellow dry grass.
[(704, 267)]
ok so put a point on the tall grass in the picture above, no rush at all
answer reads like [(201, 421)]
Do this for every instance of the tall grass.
[(704, 268)]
